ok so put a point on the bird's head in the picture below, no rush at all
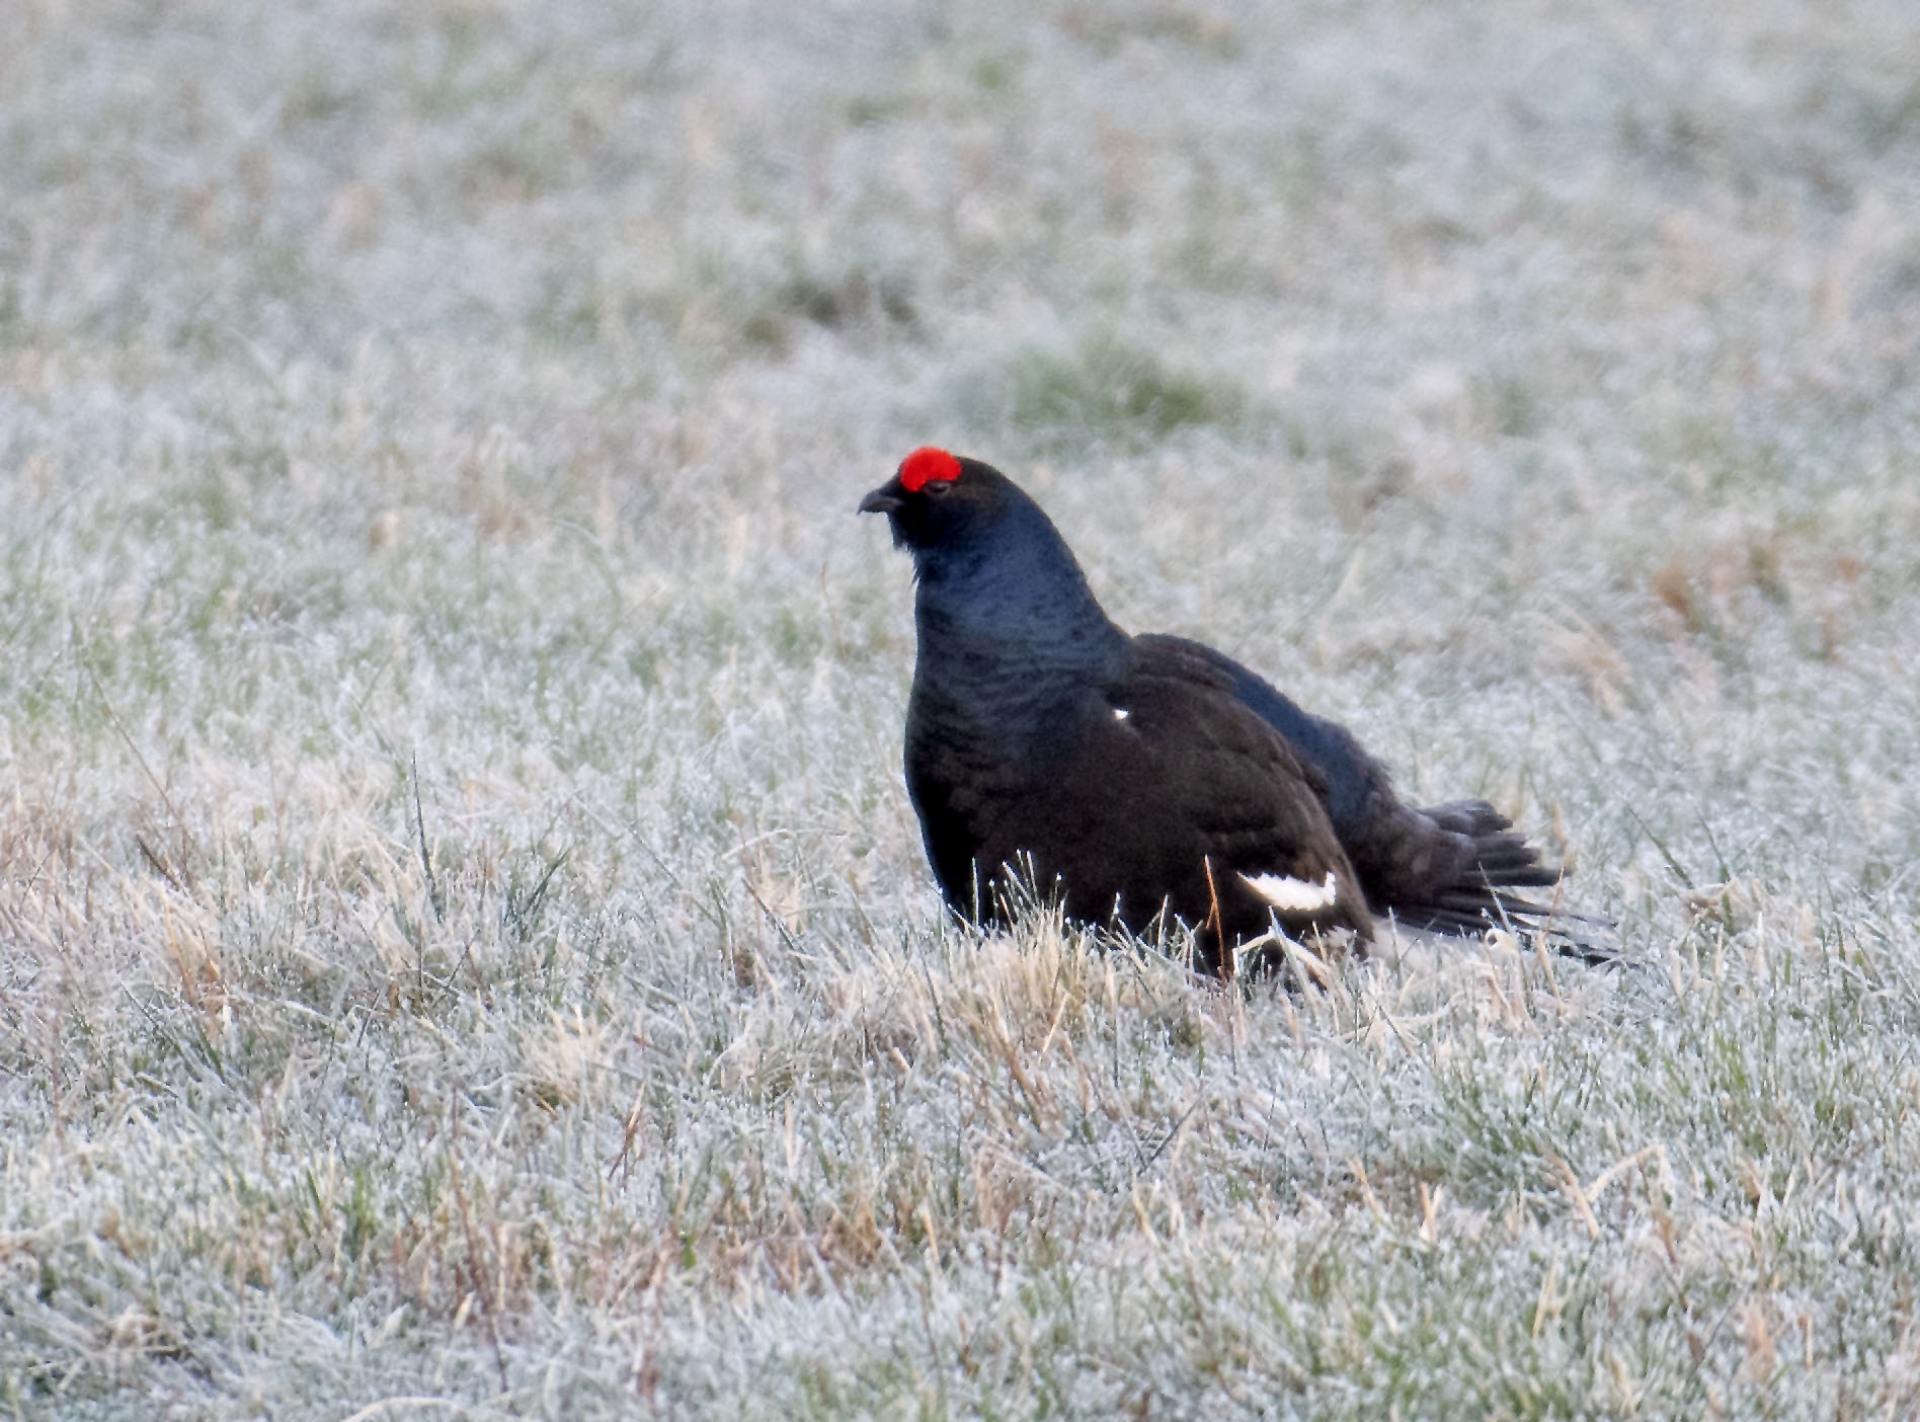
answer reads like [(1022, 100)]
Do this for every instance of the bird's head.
[(938, 502)]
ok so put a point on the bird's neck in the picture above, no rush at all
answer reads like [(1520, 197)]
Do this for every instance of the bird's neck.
[(1007, 644)]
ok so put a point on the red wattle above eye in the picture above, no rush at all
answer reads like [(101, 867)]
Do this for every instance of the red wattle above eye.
[(925, 466)]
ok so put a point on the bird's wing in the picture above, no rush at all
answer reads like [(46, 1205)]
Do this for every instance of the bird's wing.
[(1225, 788), (1354, 780)]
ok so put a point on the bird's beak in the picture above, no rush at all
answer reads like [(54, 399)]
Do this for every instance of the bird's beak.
[(888, 498)]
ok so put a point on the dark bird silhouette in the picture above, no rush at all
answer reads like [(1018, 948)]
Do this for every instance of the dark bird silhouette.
[(1135, 777)]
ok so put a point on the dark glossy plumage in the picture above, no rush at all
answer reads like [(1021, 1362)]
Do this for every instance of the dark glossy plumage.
[(1136, 776)]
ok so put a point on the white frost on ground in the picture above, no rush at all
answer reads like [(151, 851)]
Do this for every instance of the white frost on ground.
[(462, 934)]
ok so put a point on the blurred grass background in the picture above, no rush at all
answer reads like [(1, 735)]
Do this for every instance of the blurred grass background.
[(464, 946)]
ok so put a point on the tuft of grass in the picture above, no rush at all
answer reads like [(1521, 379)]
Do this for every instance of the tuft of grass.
[(1103, 390)]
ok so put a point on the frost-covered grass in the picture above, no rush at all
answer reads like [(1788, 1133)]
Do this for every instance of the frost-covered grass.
[(464, 948)]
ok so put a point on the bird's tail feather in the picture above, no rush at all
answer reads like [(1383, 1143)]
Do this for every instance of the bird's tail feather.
[(1482, 897)]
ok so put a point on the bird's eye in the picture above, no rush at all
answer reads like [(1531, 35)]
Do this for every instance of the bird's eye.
[(939, 488)]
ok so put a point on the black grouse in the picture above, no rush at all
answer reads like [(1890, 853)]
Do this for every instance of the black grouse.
[(1134, 777)]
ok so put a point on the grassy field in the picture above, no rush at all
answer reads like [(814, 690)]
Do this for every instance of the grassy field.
[(464, 944)]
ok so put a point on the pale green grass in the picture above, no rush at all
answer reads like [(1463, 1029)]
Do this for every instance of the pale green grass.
[(464, 947)]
